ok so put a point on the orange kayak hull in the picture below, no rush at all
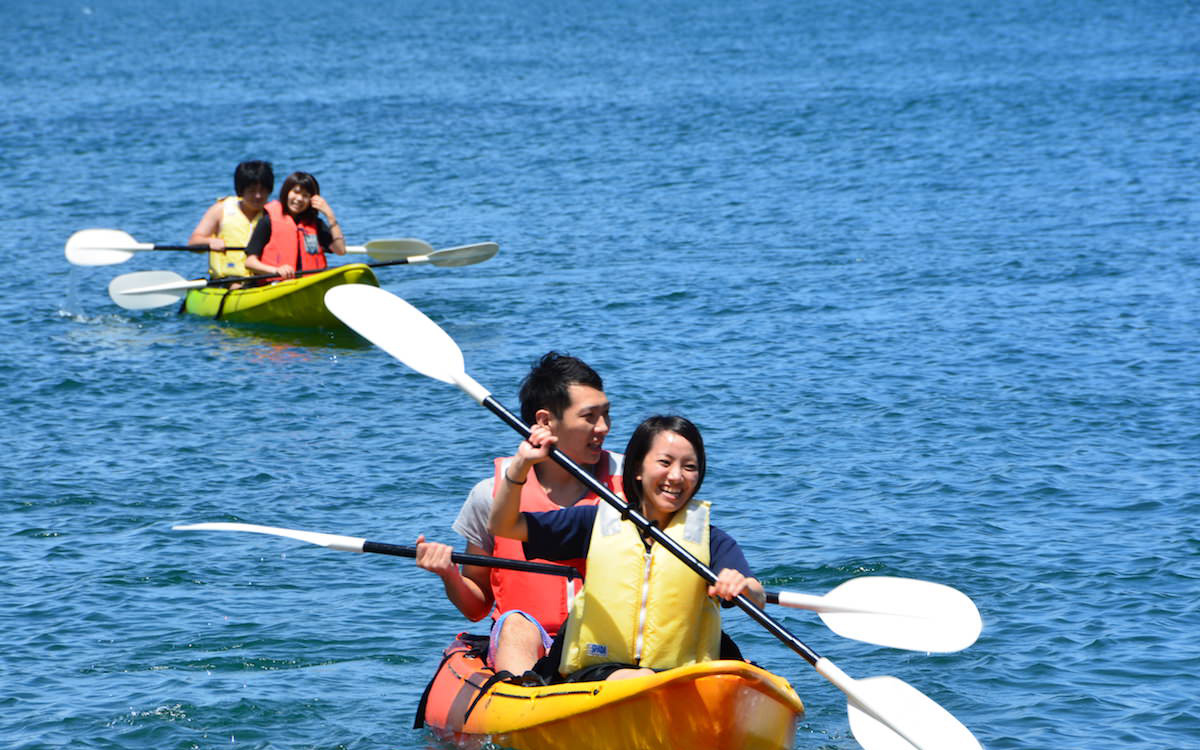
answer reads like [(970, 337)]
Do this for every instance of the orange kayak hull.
[(717, 705)]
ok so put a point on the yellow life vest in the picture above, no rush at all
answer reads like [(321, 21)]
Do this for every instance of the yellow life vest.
[(235, 230), (639, 607)]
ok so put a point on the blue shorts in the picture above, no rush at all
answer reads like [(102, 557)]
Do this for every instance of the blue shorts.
[(495, 634)]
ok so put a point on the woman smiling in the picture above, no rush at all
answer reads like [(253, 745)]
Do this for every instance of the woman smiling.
[(291, 236), (641, 608)]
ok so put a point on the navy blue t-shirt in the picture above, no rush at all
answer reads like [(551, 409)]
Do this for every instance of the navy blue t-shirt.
[(565, 535)]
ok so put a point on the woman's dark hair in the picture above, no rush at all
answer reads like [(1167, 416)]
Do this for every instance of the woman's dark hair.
[(305, 182), (545, 387), (253, 173), (639, 445)]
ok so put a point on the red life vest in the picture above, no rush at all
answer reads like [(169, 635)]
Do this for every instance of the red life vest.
[(290, 239), (546, 598)]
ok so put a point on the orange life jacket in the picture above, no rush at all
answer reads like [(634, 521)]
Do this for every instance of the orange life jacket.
[(291, 241), (547, 598)]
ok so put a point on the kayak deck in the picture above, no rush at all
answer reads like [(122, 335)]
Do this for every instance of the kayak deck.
[(294, 303), (718, 705)]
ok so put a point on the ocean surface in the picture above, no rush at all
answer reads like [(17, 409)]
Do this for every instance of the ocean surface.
[(926, 275)]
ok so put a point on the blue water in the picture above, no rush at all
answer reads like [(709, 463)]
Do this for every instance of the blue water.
[(925, 274)]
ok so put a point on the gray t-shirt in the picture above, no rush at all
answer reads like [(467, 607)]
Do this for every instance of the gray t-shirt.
[(472, 521)]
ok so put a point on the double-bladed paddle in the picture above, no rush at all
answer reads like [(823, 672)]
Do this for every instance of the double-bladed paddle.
[(108, 247), (885, 713), (145, 290), (357, 544), (886, 611)]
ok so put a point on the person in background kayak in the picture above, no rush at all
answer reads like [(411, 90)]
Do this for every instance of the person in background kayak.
[(230, 221), (641, 609), (563, 397), (292, 236)]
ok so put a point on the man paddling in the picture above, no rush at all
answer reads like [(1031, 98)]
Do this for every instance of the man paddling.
[(566, 396), (230, 221)]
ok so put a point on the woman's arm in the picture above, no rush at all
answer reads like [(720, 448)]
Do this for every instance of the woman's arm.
[(337, 244), (731, 582), (735, 576), (254, 249)]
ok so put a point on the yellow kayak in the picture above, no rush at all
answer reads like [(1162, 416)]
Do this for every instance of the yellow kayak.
[(715, 705), (295, 303)]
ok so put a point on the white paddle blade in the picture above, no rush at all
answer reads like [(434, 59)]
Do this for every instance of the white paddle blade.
[(910, 713), (464, 255), (399, 329), (332, 541), (901, 613), (145, 290), (386, 250), (101, 247)]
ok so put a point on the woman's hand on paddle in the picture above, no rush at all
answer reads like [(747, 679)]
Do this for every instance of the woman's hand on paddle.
[(435, 557), (216, 244), (730, 583), (285, 271)]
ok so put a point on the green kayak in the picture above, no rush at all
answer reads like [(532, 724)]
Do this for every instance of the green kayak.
[(295, 303)]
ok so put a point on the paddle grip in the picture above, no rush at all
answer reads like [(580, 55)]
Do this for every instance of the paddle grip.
[(657, 534)]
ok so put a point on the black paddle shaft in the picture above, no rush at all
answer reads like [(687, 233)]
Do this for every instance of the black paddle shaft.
[(192, 248), (463, 558), (657, 534), (239, 279)]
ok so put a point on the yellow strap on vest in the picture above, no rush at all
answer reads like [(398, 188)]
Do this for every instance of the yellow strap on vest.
[(640, 607)]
